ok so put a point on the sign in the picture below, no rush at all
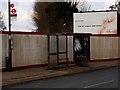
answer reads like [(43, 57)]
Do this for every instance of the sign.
[(95, 22), (12, 5), (13, 12)]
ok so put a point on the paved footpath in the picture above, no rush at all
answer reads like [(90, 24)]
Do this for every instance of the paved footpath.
[(29, 74)]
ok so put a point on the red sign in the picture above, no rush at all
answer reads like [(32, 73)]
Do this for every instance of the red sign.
[(13, 10), (12, 5)]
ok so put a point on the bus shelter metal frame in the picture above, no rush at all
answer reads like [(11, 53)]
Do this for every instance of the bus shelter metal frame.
[(66, 50)]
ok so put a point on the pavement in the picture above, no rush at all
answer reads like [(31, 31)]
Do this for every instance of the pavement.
[(30, 74)]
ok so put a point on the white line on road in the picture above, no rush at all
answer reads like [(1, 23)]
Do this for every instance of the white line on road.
[(99, 83)]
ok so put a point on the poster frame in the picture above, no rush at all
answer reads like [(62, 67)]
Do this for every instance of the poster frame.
[(82, 35)]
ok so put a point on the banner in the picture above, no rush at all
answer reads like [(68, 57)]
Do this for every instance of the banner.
[(95, 22)]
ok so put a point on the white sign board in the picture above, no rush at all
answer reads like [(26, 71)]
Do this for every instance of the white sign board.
[(95, 22)]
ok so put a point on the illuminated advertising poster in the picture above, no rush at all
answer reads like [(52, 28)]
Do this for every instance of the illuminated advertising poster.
[(81, 50), (95, 22)]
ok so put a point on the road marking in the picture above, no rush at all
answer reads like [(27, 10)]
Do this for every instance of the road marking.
[(99, 84)]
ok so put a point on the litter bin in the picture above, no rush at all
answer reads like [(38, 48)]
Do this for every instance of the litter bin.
[(8, 64)]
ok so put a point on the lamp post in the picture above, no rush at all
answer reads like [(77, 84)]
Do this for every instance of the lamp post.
[(9, 58)]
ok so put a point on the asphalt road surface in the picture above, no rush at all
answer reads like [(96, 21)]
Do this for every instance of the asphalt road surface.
[(105, 78)]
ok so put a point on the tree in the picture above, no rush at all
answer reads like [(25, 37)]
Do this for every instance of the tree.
[(116, 6), (49, 16), (61, 16), (2, 24), (84, 7), (55, 17)]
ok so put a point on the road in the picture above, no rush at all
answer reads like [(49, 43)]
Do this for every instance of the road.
[(105, 78)]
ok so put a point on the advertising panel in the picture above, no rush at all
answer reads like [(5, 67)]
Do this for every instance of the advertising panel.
[(95, 22), (81, 46)]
